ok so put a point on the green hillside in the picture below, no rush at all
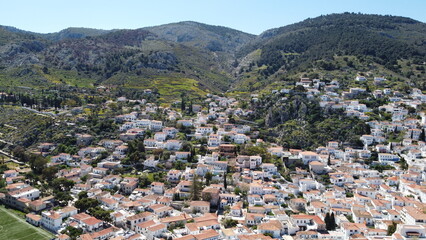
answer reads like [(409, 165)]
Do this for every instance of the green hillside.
[(202, 58), (314, 44), (124, 58)]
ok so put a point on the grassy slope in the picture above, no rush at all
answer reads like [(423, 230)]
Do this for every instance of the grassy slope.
[(16, 78), (14, 227), (169, 87), (38, 79), (31, 126), (70, 77)]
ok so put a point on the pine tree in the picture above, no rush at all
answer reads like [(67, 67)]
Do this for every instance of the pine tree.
[(225, 185), (391, 229), (403, 163), (329, 160)]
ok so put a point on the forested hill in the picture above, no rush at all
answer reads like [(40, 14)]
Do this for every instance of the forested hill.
[(383, 40), (386, 38), (201, 58)]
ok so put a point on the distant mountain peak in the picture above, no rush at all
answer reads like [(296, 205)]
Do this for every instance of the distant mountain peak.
[(213, 38)]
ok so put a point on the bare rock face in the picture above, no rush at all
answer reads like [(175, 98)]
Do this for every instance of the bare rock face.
[(282, 112), (19, 54)]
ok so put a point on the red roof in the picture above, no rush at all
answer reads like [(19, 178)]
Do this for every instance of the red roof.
[(91, 221)]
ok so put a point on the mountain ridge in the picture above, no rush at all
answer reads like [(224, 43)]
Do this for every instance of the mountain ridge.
[(213, 57)]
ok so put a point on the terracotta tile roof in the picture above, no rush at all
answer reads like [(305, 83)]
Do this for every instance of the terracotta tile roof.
[(34, 217), (91, 221), (207, 234)]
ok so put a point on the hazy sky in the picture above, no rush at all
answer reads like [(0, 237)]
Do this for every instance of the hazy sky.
[(246, 15)]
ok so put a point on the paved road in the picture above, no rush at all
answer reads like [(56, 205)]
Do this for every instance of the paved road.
[(11, 158), (3, 141), (43, 114)]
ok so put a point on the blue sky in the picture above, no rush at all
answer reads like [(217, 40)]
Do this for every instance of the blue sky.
[(245, 15)]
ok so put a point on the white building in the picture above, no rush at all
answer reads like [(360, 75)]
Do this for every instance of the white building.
[(308, 157), (51, 220), (386, 158)]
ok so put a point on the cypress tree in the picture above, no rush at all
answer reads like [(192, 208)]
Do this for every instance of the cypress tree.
[(195, 189), (333, 222), (422, 135), (190, 108), (327, 221), (182, 106)]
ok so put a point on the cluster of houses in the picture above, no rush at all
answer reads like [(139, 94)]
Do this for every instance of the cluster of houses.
[(244, 196)]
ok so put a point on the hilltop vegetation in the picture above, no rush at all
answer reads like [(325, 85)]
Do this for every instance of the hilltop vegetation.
[(383, 37), (314, 44), (213, 38), (75, 33)]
